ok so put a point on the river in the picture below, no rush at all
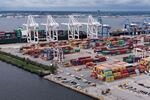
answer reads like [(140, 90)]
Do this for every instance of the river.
[(17, 84)]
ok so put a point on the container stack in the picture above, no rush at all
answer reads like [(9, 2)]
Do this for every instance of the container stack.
[(68, 50), (85, 46), (112, 71), (131, 59), (144, 64), (47, 54), (2, 35), (115, 51), (108, 75), (11, 37), (88, 59)]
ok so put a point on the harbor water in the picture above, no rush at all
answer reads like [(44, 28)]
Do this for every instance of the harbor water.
[(116, 22), (17, 84)]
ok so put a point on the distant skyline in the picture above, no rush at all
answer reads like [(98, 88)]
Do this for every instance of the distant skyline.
[(76, 5)]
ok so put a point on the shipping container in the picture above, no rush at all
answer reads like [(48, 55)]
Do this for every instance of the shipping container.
[(109, 79)]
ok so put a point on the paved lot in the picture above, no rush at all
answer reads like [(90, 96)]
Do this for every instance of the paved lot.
[(85, 82)]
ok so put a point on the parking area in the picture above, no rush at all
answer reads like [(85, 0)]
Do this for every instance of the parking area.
[(131, 88)]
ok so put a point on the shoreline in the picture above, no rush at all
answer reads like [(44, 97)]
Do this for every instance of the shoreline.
[(26, 64), (42, 74), (72, 88)]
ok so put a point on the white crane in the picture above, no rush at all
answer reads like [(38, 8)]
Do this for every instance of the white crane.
[(51, 29), (92, 27), (32, 32), (73, 28)]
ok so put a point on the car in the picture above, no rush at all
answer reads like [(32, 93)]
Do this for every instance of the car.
[(78, 87), (89, 82), (65, 81), (68, 74), (63, 78), (72, 75), (93, 84), (58, 77), (73, 82), (84, 80), (77, 69), (81, 75), (78, 78)]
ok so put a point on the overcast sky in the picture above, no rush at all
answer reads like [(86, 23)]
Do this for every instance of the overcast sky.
[(75, 4)]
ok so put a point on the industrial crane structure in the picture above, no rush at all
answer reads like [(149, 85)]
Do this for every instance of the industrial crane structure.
[(92, 27), (32, 32), (51, 29), (73, 27), (131, 27), (146, 26), (105, 28)]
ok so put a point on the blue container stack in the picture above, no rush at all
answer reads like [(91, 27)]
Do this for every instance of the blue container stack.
[(48, 53)]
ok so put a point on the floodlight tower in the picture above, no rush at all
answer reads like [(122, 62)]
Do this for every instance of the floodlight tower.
[(58, 54), (73, 28), (92, 27), (51, 29), (32, 32)]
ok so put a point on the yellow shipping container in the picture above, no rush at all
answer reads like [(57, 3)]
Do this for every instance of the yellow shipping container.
[(109, 79), (117, 74)]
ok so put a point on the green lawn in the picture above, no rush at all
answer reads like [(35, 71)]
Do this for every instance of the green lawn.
[(27, 64)]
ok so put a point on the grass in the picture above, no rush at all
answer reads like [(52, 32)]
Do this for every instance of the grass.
[(27, 64)]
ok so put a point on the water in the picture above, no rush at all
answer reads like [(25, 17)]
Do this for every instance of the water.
[(17, 84), (9, 24), (115, 19)]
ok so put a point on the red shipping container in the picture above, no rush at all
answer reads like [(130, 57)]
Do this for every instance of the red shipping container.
[(102, 59), (84, 57), (123, 51), (113, 52), (125, 75), (84, 61), (131, 68), (124, 71)]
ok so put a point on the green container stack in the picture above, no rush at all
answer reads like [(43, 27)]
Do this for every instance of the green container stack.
[(77, 50), (105, 52), (121, 42), (18, 35)]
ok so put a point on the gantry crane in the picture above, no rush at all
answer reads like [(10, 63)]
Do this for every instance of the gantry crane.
[(105, 28), (32, 32), (51, 29), (92, 27), (131, 27), (146, 26), (73, 27)]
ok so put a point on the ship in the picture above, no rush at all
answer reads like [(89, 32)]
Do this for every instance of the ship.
[(20, 36)]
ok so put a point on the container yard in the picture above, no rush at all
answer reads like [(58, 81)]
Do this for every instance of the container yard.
[(112, 67)]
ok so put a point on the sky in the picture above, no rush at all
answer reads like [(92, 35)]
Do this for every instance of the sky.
[(75, 5)]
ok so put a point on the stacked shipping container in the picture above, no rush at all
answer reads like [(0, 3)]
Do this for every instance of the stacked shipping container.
[(113, 71), (85, 60)]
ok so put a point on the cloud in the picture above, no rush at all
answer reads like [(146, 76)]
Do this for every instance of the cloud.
[(97, 4)]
